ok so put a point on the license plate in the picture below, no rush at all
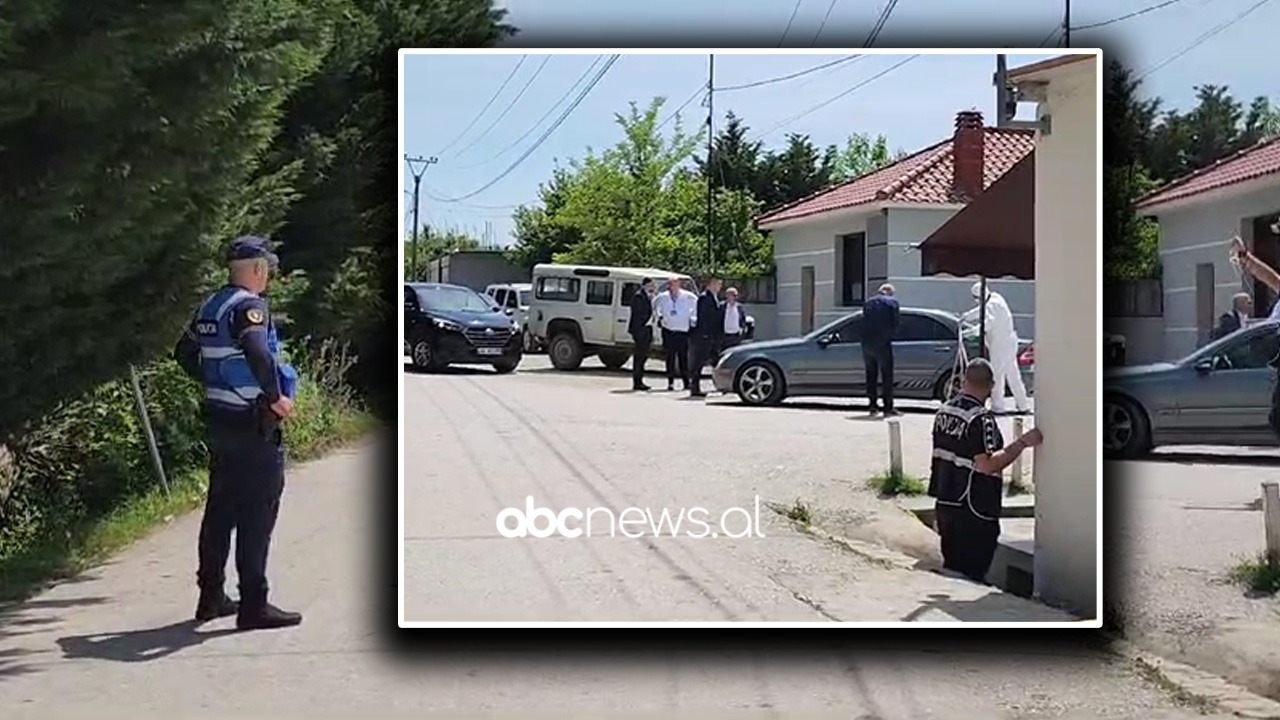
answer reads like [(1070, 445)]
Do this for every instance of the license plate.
[(489, 351)]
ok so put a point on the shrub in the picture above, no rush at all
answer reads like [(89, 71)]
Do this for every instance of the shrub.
[(889, 484)]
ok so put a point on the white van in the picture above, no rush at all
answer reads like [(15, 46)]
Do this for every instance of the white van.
[(515, 297), (576, 311)]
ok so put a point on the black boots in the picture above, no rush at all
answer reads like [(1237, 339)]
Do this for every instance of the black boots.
[(265, 617), (214, 605)]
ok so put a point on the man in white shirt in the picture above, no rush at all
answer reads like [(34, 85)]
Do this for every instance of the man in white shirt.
[(735, 322), (675, 309)]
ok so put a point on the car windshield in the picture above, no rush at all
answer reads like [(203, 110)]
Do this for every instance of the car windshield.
[(524, 298), (825, 329), (454, 299), (1226, 343)]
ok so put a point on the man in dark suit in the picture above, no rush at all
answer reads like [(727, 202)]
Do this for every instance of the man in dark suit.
[(640, 326), (879, 324), (1241, 309), (706, 334)]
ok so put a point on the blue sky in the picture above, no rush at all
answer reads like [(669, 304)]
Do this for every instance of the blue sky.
[(913, 106)]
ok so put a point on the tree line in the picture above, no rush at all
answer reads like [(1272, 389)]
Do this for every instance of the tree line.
[(1146, 144)]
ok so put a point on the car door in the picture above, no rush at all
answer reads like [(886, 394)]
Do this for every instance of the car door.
[(1230, 396), (410, 316), (922, 348), (598, 315), (622, 313), (834, 367)]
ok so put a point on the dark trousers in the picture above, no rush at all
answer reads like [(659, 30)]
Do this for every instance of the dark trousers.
[(676, 347), (639, 355), (968, 541), (726, 343), (877, 359), (246, 480), (701, 349)]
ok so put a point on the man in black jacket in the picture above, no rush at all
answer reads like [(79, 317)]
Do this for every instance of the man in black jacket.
[(706, 334), (1241, 309), (879, 324), (640, 326)]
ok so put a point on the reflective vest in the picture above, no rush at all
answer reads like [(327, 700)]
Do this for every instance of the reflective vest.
[(229, 382)]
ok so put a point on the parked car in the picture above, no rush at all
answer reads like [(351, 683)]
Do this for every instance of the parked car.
[(1217, 395), (454, 325), (828, 361), (515, 297)]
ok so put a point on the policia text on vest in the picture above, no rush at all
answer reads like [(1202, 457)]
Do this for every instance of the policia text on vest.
[(233, 349)]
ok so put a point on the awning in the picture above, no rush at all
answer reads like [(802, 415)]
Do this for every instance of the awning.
[(994, 236)]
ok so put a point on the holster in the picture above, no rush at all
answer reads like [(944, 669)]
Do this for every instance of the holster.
[(267, 420)]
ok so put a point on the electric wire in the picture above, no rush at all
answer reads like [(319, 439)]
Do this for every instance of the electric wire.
[(545, 135), (791, 76), (790, 20), (486, 107), (1127, 16), (880, 23), (582, 78), (823, 25), (1203, 38), (1049, 38), (838, 96), (511, 105), (696, 94)]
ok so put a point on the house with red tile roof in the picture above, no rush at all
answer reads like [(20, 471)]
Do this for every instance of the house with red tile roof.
[(835, 247), (1197, 215)]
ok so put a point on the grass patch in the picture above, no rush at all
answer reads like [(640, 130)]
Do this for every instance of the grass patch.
[(890, 484), (800, 512), (1257, 575)]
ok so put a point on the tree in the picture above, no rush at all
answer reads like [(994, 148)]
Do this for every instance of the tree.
[(798, 171), (1129, 241), (127, 163), (432, 244), (539, 238), (861, 155), (735, 161)]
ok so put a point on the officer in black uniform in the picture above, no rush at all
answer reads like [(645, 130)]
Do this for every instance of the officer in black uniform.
[(1264, 273), (232, 349), (705, 335), (969, 458), (640, 326)]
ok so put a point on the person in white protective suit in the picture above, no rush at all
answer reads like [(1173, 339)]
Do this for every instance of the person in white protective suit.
[(1002, 347)]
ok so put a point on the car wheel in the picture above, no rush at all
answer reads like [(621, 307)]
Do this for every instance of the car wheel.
[(527, 342), (759, 383), (949, 385), (424, 356), (502, 368), (613, 360), (1126, 434), (565, 351)]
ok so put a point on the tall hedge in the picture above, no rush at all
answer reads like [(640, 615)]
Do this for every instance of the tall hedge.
[(130, 139)]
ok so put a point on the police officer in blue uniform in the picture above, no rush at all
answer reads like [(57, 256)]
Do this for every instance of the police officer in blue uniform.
[(232, 349), (969, 458)]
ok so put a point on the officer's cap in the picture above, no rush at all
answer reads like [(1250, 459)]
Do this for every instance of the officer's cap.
[(251, 247)]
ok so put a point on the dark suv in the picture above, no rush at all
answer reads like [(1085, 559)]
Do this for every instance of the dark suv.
[(453, 325)]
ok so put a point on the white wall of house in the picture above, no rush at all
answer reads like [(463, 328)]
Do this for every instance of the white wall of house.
[(1067, 340), (1195, 235), (890, 236)]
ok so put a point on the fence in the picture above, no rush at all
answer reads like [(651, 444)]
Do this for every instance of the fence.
[(1133, 298), (756, 290)]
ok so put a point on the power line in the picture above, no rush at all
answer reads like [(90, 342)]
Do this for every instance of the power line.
[(1127, 16), (792, 76), (1049, 38), (546, 134), (880, 23), (842, 94), (823, 25), (1204, 37), (790, 20), (510, 106), (486, 107), (696, 94), (590, 68)]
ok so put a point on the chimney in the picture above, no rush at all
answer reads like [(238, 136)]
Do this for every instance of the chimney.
[(967, 156)]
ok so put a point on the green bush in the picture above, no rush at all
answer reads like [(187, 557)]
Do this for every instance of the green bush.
[(88, 462)]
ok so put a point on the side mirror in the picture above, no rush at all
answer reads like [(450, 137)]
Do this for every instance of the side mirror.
[(1205, 366), (510, 311), (824, 341)]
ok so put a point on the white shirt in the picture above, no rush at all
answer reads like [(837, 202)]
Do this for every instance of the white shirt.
[(676, 313), (732, 319), (1275, 313)]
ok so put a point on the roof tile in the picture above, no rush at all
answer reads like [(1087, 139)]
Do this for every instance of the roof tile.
[(924, 177), (1250, 163)]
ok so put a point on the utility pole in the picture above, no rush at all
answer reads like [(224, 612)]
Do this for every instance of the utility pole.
[(417, 172), (1002, 91), (1066, 24), (711, 90)]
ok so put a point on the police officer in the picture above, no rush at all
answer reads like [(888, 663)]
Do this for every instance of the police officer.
[(231, 347), (640, 326), (1249, 263), (969, 458)]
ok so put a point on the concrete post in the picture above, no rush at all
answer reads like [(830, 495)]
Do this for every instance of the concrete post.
[(1271, 519), (1017, 463), (895, 447)]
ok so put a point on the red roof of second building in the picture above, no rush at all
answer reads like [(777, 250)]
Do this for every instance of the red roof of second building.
[(1251, 163), (924, 177)]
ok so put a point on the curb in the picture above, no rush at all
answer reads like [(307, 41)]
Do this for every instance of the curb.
[(1199, 687)]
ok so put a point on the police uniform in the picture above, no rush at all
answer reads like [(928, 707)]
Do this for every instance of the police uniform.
[(233, 349), (968, 503)]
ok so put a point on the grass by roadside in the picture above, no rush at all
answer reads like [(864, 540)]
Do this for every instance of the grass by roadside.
[(1257, 575), (890, 484)]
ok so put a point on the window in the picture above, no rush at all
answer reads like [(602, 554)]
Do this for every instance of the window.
[(499, 295), (599, 292), (628, 291), (510, 299), (850, 332), (409, 297), (523, 298), (1251, 353), (559, 289), (919, 328), (854, 278)]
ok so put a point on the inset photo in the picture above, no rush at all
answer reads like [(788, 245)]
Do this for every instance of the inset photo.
[(750, 338)]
